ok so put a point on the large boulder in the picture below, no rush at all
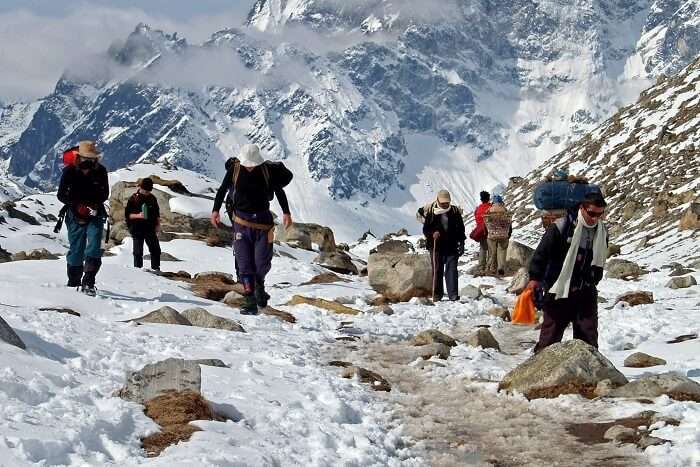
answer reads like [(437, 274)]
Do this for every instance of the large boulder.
[(518, 255), (519, 281), (8, 335), (393, 247), (401, 277), (623, 269), (571, 367), (336, 261), (172, 223), (304, 235), (483, 338), (672, 385), (155, 379)]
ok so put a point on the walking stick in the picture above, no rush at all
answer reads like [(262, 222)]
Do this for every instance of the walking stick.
[(434, 267)]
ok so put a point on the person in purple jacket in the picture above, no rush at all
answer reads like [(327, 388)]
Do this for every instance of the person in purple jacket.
[(251, 183)]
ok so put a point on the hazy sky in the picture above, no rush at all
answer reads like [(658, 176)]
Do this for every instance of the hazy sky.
[(39, 38)]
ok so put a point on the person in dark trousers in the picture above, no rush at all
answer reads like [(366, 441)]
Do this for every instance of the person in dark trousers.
[(251, 183), (142, 215), (479, 213), (83, 189), (444, 233), (568, 265)]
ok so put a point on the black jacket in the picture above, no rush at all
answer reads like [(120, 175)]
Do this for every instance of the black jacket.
[(548, 259), (253, 193), (135, 206), (450, 241), (77, 188)]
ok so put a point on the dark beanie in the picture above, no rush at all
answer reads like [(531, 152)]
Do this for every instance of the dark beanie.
[(596, 199), (484, 196), (147, 184)]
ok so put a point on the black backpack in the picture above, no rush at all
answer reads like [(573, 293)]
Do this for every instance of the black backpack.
[(282, 175)]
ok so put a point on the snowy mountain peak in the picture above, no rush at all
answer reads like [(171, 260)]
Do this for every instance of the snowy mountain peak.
[(145, 44)]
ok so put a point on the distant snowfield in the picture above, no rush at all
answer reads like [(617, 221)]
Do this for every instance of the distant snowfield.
[(287, 406)]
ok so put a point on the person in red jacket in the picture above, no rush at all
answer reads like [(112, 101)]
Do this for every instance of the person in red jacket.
[(479, 217)]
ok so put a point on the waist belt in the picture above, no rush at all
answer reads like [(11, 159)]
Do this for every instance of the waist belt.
[(252, 225)]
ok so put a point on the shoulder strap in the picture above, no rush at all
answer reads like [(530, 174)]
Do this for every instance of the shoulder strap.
[(236, 172)]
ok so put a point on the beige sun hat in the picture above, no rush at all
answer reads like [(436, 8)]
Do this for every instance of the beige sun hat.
[(443, 196), (88, 150), (250, 156)]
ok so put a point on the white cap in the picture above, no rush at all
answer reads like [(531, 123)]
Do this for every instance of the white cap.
[(250, 156)]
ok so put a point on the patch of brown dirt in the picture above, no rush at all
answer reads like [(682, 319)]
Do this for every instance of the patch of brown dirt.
[(585, 390), (335, 307), (173, 411), (592, 433)]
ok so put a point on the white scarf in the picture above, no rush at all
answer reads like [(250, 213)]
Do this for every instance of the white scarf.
[(437, 210), (600, 253)]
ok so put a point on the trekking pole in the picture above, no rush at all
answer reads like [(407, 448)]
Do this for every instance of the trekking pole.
[(434, 267)]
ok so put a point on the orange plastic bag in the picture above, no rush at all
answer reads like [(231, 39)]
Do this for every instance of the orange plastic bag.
[(524, 312)]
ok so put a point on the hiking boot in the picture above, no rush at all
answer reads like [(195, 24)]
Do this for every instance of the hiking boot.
[(92, 266), (89, 290), (261, 297), (250, 307), (455, 298), (75, 274)]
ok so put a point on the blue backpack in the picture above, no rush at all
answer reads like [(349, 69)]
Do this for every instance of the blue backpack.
[(561, 194)]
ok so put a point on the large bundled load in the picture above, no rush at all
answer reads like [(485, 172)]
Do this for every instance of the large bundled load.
[(560, 192)]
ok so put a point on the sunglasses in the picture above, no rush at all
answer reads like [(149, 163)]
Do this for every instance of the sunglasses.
[(594, 214)]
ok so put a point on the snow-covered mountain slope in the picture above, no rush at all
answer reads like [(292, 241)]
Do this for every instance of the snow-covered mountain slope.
[(286, 405), (375, 104), (647, 160)]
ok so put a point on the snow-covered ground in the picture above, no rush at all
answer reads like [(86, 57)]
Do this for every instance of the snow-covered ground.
[(286, 405)]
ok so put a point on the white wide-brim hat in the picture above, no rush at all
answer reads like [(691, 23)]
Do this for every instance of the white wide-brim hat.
[(88, 150), (250, 156)]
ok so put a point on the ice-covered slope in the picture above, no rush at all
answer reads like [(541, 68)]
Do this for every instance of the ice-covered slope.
[(647, 160)]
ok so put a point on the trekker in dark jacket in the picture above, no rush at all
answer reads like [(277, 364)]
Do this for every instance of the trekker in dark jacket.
[(443, 228), (83, 189), (251, 183), (568, 265), (142, 215)]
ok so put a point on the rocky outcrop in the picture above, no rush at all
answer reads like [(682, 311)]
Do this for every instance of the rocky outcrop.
[(571, 367), (34, 255), (336, 261), (172, 223), (393, 247), (400, 277), (623, 269), (690, 219), (305, 235)]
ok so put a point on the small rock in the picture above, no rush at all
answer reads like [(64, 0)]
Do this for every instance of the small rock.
[(623, 269), (433, 336), (234, 299), (164, 315), (322, 303), (682, 338), (613, 250), (646, 440), (682, 282), (470, 292), (519, 281), (635, 298), (8, 335), (680, 271), (376, 381), (202, 318), (620, 434), (483, 338), (674, 386), (224, 277), (383, 309), (179, 275), (325, 278), (518, 255), (642, 360), (336, 261), (283, 315), (603, 388), (66, 311), (690, 219), (165, 257), (500, 312), (629, 346), (34, 255), (423, 301), (436, 349), (343, 247)]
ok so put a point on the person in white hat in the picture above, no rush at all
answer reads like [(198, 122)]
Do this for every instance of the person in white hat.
[(443, 228), (84, 188), (250, 184)]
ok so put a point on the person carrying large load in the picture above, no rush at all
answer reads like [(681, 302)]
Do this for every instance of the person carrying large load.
[(479, 234), (499, 227), (83, 190), (251, 183), (443, 228)]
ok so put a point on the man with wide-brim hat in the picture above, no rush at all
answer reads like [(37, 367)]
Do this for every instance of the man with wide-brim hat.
[(84, 188), (251, 183), (443, 227)]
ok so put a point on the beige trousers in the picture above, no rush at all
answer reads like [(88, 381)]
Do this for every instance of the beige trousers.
[(497, 254)]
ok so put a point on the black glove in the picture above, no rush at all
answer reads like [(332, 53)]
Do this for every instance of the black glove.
[(460, 249)]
